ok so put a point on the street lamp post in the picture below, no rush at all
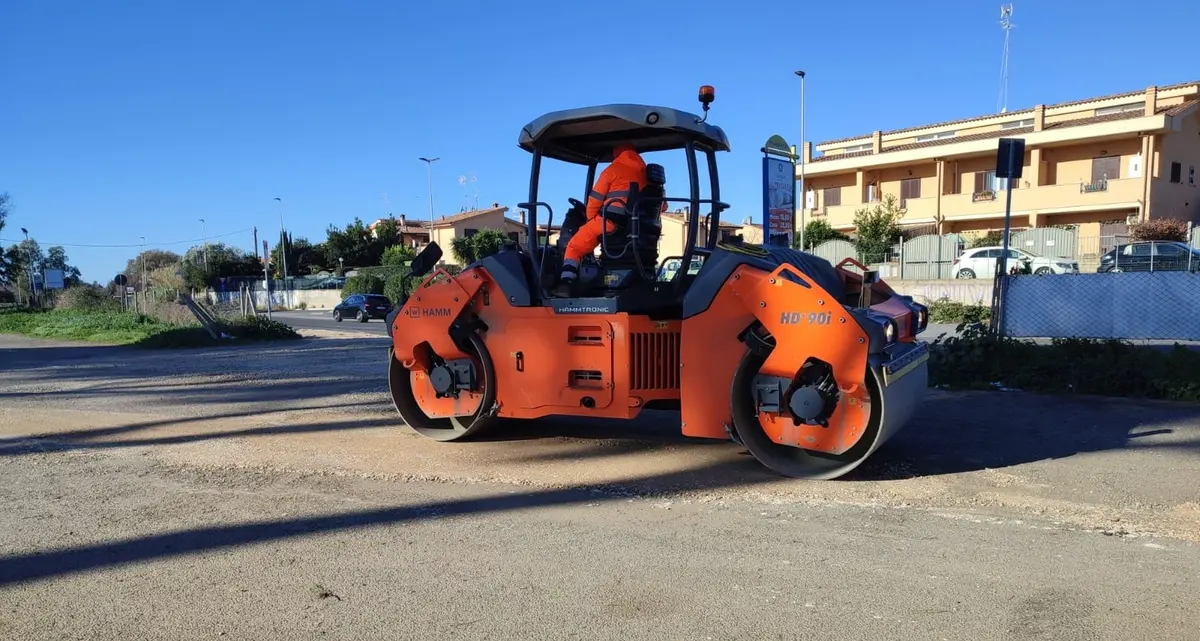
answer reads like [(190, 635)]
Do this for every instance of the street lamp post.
[(429, 168), (803, 200), (283, 246)]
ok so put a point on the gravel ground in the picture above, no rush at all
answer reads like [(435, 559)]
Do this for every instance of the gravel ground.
[(268, 492)]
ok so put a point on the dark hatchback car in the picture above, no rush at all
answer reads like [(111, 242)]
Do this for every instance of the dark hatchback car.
[(1158, 255), (362, 307)]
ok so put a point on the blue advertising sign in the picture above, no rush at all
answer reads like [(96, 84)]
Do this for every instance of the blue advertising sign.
[(779, 201)]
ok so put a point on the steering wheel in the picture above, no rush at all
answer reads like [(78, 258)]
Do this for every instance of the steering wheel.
[(576, 203)]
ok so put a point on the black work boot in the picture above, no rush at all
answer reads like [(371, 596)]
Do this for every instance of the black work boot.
[(566, 281), (564, 288)]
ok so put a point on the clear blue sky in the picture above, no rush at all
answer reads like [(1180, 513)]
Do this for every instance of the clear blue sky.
[(124, 119)]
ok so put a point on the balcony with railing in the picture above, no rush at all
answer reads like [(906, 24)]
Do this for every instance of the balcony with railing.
[(1081, 195)]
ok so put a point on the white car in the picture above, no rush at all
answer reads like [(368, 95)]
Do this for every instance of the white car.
[(980, 262)]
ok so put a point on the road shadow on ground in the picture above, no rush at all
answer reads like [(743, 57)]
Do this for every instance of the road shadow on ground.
[(21, 568), (970, 431), (952, 433), (119, 437)]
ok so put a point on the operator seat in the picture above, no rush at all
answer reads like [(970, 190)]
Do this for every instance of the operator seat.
[(633, 245)]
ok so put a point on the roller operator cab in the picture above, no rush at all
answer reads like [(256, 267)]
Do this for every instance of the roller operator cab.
[(808, 365)]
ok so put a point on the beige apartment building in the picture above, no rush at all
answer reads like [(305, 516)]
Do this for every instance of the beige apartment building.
[(1099, 163)]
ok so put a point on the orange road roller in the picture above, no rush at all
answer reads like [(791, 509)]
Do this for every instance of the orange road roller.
[(809, 366)]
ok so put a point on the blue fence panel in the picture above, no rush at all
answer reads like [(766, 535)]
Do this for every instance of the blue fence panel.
[(1126, 306)]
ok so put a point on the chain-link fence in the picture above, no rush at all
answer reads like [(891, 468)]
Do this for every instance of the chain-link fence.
[(1127, 305)]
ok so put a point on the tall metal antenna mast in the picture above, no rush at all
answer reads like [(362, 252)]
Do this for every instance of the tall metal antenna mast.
[(1007, 25)]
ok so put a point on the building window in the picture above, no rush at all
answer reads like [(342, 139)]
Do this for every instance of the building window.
[(470, 232), (909, 188), (863, 147), (1106, 168), (941, 135), (987, 185), (831, 196), (1176, 172), (1119, 109), (514, 236), (1017, 124)]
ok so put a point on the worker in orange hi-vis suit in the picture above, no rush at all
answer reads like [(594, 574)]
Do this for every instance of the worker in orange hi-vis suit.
[(627, 167)]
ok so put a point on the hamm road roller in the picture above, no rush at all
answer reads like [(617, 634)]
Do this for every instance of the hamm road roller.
[(809, 366)]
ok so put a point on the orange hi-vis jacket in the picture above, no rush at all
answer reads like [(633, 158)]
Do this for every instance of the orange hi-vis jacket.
[(627, 167)]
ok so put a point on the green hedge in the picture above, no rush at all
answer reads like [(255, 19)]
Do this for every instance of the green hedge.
[(391, 281), (979, 359), (947, 311)]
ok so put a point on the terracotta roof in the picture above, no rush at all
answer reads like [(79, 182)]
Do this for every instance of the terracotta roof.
[(1011, 114), (408, 227), (1180, 108), (1173, 110)]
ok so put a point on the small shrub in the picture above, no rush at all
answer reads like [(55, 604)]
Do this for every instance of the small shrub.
[(876, 229), (85, 297), (302, 305), (398, 255), (260, 328), (1159, 229), (990, 239), (948, 311)]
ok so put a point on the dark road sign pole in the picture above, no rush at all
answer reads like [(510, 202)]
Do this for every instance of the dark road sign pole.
[(1010, 159)]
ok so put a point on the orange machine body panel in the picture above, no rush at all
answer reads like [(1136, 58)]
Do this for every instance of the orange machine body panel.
[(428, 314), (710, 355), (598, 365), (805, 320)]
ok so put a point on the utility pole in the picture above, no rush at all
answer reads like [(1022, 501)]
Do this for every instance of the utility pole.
[(29, 268), (144, 293), (255, 245), (429, 167), (803, 199), (204, 226)]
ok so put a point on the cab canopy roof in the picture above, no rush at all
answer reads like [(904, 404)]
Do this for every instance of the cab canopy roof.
[(587, 135)]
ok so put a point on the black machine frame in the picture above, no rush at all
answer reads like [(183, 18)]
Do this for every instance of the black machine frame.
[(586, 137)]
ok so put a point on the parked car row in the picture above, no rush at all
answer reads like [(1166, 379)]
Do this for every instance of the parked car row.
[(980, 262), (1159, 255)]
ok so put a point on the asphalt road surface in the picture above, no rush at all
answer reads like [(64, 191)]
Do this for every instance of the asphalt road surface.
[(268, 492), (323, 319)]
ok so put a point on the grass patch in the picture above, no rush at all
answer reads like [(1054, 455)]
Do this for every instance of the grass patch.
[(127, 328), (979, 359)]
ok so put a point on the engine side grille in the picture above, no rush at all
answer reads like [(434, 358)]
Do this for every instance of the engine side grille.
[(654, 360)]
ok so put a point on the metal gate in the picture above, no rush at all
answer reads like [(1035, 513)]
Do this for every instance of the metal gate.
[(835, 251), (929, 257), (1051, 242)]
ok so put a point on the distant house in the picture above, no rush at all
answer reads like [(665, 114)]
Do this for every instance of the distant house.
[(415, 234)]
